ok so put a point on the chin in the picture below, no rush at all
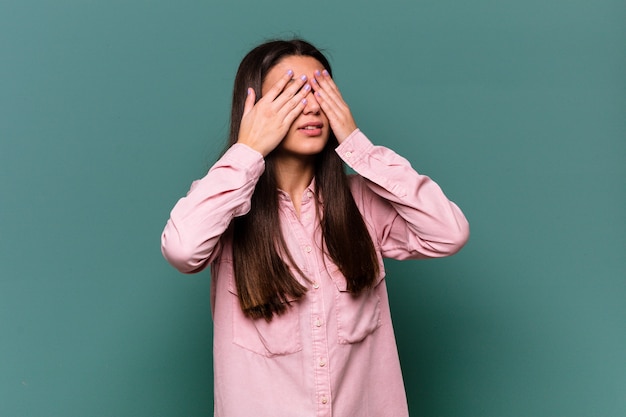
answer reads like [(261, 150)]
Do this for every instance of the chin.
[(305, 146)]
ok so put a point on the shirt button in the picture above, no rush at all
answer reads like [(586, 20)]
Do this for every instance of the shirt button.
[(324, 400), (308, 249), (309, 194), (316, 285), (348, 154), (322, 362), (318, 323)]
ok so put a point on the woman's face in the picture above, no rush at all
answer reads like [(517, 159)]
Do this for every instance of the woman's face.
[(309, 132)]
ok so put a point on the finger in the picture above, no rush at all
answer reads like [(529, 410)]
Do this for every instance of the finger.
[(329, 107), (325, 81), (294, 101), (279, 86), (295, 112), (330, 92), (289, 92), (340, 118), (332, 105), (249, 103)]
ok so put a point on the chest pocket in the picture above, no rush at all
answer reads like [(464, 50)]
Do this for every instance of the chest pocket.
[(279, 337), (357, 316)]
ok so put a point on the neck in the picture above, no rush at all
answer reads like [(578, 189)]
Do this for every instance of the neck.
[(293, 176)]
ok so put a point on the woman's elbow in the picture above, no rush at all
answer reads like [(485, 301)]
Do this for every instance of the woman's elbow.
[(449, 240), (184, 259), (458, 237)]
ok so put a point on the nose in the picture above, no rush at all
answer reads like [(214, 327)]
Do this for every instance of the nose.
[(312, 105)]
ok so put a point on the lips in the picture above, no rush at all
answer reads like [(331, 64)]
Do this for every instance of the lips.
[(311, 126), (311, 129)]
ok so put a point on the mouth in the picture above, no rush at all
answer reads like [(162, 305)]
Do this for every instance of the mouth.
[(312, 128)]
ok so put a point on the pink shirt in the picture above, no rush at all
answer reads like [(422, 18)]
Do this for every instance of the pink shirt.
[(331, 354)]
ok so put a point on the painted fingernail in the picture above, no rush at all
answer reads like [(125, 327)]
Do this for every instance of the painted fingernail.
[(317, 72), (325, 73), (303, 78), (249, 91), (304, 101), (290, 73), (307, 87)]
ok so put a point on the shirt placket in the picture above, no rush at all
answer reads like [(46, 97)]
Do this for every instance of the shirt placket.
[(305, 229)]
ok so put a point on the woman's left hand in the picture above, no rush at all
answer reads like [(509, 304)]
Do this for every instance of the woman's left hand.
[(328, 96)]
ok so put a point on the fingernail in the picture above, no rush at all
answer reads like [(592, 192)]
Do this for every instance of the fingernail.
[(249, 91), (303, 78), (290, 73), (304, 101), (315, 80), (317, 72), (325, 73), (307, 87)]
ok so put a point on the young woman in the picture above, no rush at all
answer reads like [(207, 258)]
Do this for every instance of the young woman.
[(302, 325)]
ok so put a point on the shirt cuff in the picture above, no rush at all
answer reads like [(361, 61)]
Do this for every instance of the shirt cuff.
[(243, 156), (353, 147)]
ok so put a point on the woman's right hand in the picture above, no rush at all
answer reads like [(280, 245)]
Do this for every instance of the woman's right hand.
[(265, 124)]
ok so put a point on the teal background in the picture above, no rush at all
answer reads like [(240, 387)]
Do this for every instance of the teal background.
[(109, 109)]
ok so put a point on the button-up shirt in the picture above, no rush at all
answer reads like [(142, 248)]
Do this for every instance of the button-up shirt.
[(331, 353)]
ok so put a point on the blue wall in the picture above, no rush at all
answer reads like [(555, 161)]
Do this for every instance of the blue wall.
[(109, 109)]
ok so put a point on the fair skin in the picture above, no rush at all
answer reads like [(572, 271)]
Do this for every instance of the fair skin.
[(300, 104)]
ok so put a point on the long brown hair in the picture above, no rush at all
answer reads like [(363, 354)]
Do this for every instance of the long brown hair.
[(263, 278)]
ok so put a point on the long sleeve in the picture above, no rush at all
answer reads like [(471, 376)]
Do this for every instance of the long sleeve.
[(197, 221), (411, 215)]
